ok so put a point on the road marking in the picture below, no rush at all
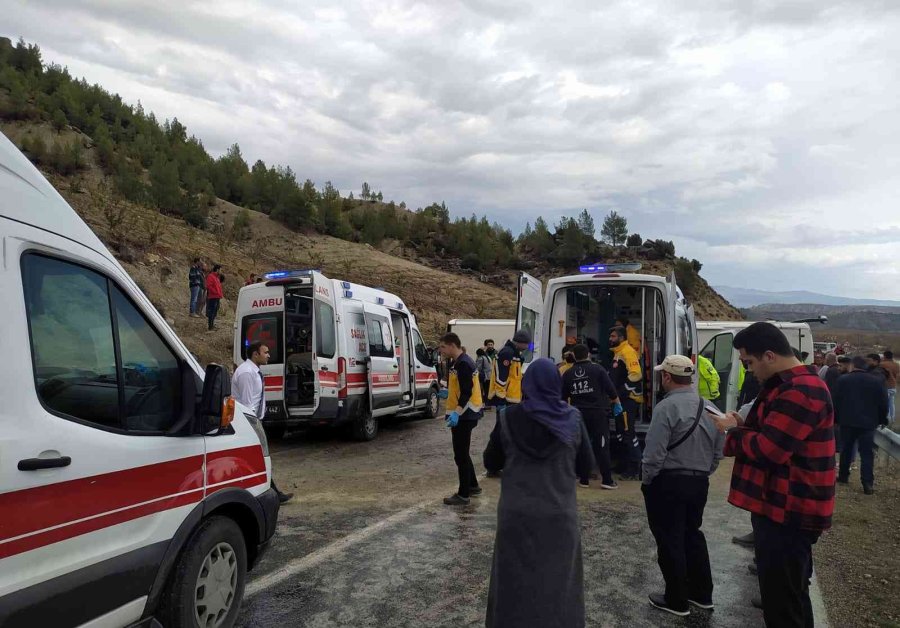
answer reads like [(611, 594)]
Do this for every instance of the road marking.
[(313, 559)]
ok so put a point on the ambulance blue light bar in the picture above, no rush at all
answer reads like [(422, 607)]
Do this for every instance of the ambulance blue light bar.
[(289, 274), (610, 268)]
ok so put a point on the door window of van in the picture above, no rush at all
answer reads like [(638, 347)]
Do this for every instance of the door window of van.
[(96, 358), (266, 328), (686, 345), (380, 345), (325, 341), (529, 322), (421, 350)]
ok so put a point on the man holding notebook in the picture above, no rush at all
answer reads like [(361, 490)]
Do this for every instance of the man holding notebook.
[(683, 447)]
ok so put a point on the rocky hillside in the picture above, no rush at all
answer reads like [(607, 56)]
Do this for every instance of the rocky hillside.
[(871, 318)]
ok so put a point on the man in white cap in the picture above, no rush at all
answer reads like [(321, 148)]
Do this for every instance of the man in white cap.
[(683, 447)]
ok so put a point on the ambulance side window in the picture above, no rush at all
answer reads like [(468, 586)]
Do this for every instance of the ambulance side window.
[(267, 328), (325, 341), (96, 358), (378, 332), (421, 350)]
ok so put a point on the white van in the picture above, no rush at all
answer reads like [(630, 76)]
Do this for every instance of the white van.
[(716, 338), (340, 353), (131, 486), (474, 331), (586, 306)]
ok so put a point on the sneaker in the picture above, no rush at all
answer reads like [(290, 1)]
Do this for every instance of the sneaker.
[(475, 491), (658, 600), (630, 477), (868, 489), (584, 484), (456, 500), (283, 498), (707, 605), (746, 540), (609, 486)]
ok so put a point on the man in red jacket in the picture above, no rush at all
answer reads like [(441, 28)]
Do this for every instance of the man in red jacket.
[(783, 470), (213, 295)]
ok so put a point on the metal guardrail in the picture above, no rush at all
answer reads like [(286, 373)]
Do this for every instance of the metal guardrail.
[(889, 442)]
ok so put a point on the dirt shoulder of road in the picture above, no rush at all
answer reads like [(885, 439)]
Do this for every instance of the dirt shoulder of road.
[(858, 560)]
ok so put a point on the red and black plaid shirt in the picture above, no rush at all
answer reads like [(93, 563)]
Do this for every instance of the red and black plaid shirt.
[(784, 453)]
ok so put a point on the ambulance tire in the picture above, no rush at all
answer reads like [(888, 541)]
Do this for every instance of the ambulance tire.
[(364, 426), (432, 404), (276, 431), (217, 539)]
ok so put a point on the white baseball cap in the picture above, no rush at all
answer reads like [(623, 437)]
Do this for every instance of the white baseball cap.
[(677, 365)]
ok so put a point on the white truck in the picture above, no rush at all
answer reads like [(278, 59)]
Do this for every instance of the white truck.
[(341, 354), (586, 306), (474, 331)]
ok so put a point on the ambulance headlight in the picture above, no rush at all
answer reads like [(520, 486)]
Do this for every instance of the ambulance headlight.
[(260, 432)]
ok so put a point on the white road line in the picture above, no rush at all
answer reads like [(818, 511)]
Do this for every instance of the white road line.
[(301, 564)]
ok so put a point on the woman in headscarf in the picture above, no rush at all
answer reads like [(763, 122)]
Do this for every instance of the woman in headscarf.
[(541, 446)]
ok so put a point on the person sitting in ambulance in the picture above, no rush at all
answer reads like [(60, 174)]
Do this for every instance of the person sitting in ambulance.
[(506, 375), (568, 359), (709, 380), (631, 333)]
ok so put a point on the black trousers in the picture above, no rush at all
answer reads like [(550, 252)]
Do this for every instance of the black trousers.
[(850, 438), (626, 437), (462, 441), (598, 430), (212, 310), (675, 506), (784, 564)]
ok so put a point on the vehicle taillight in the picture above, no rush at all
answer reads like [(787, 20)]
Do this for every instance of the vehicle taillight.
[(342, 378), (694, 358)]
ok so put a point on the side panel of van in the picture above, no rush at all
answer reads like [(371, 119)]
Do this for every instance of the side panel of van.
[(89, 475), (383, 367), (326, 349)]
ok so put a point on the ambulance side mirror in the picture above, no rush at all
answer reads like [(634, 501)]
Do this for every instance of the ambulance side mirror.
[(216, 390)]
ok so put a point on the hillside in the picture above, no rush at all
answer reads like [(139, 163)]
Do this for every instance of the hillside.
[(870, 318), (748, 297)]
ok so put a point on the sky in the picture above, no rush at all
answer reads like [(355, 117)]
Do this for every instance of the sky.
[(763, 137)]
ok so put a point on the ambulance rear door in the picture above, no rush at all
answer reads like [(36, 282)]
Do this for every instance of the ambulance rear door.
[(325, 359), (530, 315), (383, 367), (262, 320)]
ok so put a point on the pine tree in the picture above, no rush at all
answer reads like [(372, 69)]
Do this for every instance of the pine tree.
[(59, 120), (615, 228), (366, 191), (586, 223)]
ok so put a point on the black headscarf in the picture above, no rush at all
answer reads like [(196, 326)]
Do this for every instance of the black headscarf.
[(542, 400)]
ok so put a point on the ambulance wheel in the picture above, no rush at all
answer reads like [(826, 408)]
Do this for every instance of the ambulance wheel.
[(365, 426), (432, 404), (274, 432), (207, 583)]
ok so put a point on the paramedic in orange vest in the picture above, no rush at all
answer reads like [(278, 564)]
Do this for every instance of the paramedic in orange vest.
[(628, 379), (464, 409), (506, 376)]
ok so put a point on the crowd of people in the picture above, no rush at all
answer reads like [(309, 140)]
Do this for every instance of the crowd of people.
[(552, 431), (205, 282)]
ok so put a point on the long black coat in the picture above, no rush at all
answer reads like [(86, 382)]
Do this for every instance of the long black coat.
[(537, 575)]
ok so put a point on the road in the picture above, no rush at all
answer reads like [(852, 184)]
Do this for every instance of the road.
[(367, 542)]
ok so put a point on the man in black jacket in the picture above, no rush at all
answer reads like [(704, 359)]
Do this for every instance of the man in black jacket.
[(860, 406), (587, 386)]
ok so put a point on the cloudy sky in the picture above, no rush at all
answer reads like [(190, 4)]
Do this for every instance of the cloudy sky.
[(762, 137)]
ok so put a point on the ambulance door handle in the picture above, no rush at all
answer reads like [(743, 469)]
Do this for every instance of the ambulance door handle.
[(34, 464), (323, 368)]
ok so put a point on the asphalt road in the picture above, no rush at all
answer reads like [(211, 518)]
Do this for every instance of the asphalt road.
[(367, 542)]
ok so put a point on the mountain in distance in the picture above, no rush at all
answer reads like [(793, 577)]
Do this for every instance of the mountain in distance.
[(749, 297)]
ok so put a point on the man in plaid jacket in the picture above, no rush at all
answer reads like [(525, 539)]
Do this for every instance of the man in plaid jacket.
[(783, 471)]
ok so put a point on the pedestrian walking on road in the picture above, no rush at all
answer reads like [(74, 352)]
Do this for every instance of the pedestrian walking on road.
[(892, 371), (682, 449), (213, 295), (465, 408), (783, 470), (628, 379), (248, 389), (537, 574), (587, 386), (195, 283), (860, 407)]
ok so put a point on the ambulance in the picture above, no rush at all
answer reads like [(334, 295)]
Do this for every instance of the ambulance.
[(584, 307), (716, 338), (133, 489), (341, 354)]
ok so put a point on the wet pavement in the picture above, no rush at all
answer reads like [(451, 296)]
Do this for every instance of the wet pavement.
[(365, 544)]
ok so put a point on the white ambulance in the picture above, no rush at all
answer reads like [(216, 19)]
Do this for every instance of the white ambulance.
[(585, 306), (131, 486), (341, 354)]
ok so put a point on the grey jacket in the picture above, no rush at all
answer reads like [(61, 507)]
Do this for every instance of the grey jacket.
[(672, 418)]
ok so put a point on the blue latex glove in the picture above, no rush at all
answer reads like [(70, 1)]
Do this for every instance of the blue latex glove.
[(617, 409), (452, 419), (443, 393)]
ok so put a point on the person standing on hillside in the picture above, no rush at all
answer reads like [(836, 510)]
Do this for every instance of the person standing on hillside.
[(892, 371), (213, 295), (860, 406), (783, 471), (627, 378), (465, 408), (683, 448), (195, 282), (587, 386)]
